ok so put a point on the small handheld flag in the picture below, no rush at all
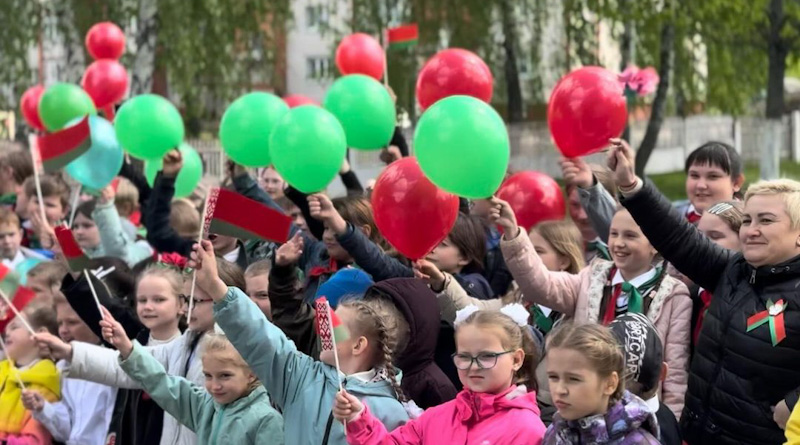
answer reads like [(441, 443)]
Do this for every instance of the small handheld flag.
[(404, 36), (76, 259), (14, 295), (330, 329), (13, 366), (229, 213), (62, 147)]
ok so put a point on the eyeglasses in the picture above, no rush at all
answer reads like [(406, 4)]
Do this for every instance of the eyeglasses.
[(196, 301), (484, 360)]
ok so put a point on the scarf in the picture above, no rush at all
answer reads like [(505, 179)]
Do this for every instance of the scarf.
[(600, 247), (635, 295)]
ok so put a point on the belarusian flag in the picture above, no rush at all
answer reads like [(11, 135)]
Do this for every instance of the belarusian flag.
[(76, 259), (403, 36), (229, 213), (19, 295), (329, 327), (62, 147)]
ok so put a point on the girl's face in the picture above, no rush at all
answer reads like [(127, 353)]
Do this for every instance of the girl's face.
[(71, 327), (766, 234), (157, 305), (493, 366), (447, 257), (225, 381), (86, 233), (718, 231), (552, 260), (53, 209), (258, 291), (631, 251), (335, 250), (577, 389), (272, 183), (19, 344), (203, 310), (708, 184)]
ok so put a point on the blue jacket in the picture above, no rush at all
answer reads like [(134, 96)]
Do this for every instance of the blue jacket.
[(302, 387)]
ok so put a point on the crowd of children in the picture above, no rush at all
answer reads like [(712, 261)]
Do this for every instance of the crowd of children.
[(635, 321)]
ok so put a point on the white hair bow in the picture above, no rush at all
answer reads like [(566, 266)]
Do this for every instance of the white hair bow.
[(515, 311)]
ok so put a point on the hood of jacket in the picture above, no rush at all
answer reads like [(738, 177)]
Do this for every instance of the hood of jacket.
[(473, 407), (418, 304)]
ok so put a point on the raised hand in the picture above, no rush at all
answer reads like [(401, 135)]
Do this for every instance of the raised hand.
[(501, 214), (577, 172), (428, 272), (203, 261), (107, 194), (32, 401), (289, 252), (114, 334), (172, 163), (622, 162), (321, 208), (347, 407), (52, 346)]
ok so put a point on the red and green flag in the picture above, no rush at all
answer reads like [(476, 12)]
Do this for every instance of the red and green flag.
[(330, 328), (76, 259), (58, 149), (20, 296), (772, 316), (404, 36), (229, 213)]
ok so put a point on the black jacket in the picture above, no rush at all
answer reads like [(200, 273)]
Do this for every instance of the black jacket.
[(290, 312), (736, 377), (155, 218)]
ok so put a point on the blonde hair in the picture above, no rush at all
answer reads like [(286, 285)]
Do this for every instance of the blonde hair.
[(598, 345), (378, 319), (787, 189), (184, 217), (259, 268), (730, 212), (170, 274), (8, 217), (516, 337), (218, 346), (126, 194), (566, 240), (51, 273)]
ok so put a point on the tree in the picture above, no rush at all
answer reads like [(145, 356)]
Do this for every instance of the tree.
[(510, 42)]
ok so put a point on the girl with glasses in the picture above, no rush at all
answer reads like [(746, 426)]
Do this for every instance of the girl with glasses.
[(495, 355)]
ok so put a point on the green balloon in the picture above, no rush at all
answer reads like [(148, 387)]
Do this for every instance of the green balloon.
[(148, 126), (462, 146), (62, 103), (188, 177), (247, 125), (365, 110), (307, 148)]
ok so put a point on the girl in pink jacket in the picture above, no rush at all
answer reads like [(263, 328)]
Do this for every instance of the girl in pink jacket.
[(606, 289), (495, 354)]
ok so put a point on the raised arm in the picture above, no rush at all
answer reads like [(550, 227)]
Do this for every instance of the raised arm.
[(350, 180), (598, 204), (449, 293), (694, 255), (138, 180), (156, 213), (115, 241)]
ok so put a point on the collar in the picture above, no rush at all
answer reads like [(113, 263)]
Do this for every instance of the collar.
[(154, 342), (18, 259), (636, 282), (364, 376), (233, 255), (653, 404), (474, 406)]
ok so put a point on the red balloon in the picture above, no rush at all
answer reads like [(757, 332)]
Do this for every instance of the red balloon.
[(412, 213), (105, 41), (106, 82), (586, 109), (453, 72), (29, 105), (296, 100), (360, 53), (534, 197)]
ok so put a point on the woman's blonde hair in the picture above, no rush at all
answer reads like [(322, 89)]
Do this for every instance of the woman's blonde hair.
[(597, 344), (218, 346), (787, 189), (516, 337), (566, 240), (378, 319)]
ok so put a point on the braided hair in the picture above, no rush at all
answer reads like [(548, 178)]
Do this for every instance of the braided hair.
[(381, 322)]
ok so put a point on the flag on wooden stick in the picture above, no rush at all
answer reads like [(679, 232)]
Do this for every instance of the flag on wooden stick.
[(58, 149), (18, 295), (76, 259), (229, 213), (404, 36)]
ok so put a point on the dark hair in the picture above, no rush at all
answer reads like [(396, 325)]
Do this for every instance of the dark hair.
[(357, 210), (86, 208), (51, 186), (469, 237), (20, 163), (716, 154)]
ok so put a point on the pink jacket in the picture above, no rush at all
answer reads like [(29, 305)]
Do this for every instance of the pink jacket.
[(471, 419), (579, 298)]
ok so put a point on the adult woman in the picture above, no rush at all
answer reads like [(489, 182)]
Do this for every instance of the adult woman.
[(747, 353)]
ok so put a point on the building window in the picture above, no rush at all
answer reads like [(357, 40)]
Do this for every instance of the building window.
[(318, 67), (316, 15)]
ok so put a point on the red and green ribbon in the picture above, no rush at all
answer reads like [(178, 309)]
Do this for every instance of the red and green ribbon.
[(772, 315)]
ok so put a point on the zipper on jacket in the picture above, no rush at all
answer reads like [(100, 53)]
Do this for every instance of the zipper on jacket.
[(216, 426), (753, 277)]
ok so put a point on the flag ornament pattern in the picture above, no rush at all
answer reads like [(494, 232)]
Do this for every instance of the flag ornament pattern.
[(404, 36), (330, 328), (229, 213), (19, 295), (76, 259), (58, 149)]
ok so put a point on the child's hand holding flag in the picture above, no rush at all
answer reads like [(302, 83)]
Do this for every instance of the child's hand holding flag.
[(347, 407)]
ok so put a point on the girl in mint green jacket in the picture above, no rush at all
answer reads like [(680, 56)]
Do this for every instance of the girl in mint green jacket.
[(234, 407)]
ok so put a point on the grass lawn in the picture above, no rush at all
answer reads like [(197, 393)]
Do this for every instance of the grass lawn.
[(673, 184)]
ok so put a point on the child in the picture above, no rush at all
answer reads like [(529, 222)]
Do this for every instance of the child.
[(84, 412), (302, 387), (114, 239), (11, 251), (293, 212), (15, 167), (184, 218), (44, 279), (645, 369), (55, 194), (606, 289), (160, 303), (26, 365), (233, 409), (585, 369), (256, 278), (271, 182), (85, 230), (495, 353), (126, 201)]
